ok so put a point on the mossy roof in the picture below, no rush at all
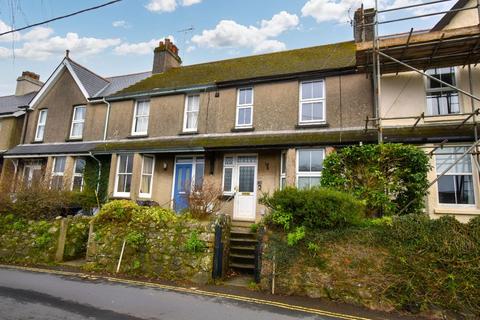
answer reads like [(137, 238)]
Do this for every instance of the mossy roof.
[(319, 58)]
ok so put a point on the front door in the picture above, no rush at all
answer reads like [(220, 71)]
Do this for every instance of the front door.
[(245, 190), (32, 174), (183, 182)]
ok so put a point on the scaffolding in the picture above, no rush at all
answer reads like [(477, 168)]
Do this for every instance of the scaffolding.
[(417, 52)]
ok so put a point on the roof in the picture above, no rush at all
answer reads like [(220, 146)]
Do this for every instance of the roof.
[(51, 148), (92, 82), (120, 82), (319, 58), (449, 16), (11, 104)]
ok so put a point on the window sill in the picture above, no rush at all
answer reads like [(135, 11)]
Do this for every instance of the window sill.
[(73, 139), (37, 141), (315, 125), (137, 136), (243, 129), (188, 133), (460, 210)]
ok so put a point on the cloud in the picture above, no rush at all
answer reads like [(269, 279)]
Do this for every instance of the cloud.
[(230, 34), (169, 5), (121, 24), (140, 48)]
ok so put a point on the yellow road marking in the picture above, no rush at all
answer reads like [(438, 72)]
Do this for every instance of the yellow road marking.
[(194, 291)]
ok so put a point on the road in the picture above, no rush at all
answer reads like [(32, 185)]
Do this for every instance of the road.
[(34, 295)]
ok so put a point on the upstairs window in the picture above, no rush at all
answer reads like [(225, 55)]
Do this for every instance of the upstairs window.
[(140, 118), (42, 121), (78, 170), (455, 186), (78, 122), (244, 116), (309, 167), (148, 166), (190, 118), (312, 102), (442, 100), (124, 175), (58, 172)]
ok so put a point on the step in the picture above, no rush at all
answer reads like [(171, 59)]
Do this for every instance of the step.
[(242, 247), (242, 256), (243, 240), (242, 265), (242, 231)]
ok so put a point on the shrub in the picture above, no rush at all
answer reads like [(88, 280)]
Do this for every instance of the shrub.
[(135, 239), (294, 237), (144, 216), (204, 200), (119, 211), (388, 177), (194, 244), (315, 208)]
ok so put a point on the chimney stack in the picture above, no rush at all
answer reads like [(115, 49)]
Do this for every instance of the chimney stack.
[(28, 82), (165, 57), (363, 24)]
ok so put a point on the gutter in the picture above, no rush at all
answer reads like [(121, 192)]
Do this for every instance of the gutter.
[(107, 118), (159, 92)]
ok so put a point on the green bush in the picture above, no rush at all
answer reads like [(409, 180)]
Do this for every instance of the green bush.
[(119, 211), (135, 239), (194, 244), (315, 208), (296, 236), (388, 177)]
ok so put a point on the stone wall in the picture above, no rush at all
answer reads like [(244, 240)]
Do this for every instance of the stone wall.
[(156, 250)]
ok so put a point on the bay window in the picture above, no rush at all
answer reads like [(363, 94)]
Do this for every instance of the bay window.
[(309, 167), (78, 170), (58, 171)]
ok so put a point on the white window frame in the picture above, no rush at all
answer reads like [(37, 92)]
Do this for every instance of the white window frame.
[(151, 175), (186, 112), (301, 174), (232, 166), (429, 91), (117, 174), (314, 100), (244, 106), (283, 174), (58, 174), (474, 182), (41, 124), (76, 175), (82, 122), (136, 117)]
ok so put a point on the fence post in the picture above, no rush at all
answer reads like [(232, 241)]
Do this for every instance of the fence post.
[(62, 237), (218, 253), (90, 242)]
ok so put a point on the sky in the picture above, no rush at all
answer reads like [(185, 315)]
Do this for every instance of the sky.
[(119, 39)]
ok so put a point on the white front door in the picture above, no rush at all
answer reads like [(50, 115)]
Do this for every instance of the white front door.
[(245, 188)]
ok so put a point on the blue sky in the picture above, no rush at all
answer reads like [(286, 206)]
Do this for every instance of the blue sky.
[(119, 39)]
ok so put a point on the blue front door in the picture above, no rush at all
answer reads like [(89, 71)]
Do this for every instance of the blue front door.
[(183, 182)]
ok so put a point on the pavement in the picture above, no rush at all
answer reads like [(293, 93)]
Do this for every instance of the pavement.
[(27, 293)]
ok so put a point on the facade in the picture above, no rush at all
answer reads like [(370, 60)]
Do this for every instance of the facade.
[(247, 126)]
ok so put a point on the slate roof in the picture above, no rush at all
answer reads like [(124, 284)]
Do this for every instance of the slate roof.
[(319, 58), (92, 82), (11, 104), (52, 148), (120, 82)]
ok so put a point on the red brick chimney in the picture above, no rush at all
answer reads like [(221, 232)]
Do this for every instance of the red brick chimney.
[(28, 82), (165, 57)]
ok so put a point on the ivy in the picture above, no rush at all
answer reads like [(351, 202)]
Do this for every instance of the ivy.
[(388, 177)]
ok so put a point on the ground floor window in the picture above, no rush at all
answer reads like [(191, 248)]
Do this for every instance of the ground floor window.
[(58, 171), (309, 167), (283, 171), (456, 185), (78, 170), (148, 166), (124, 175)]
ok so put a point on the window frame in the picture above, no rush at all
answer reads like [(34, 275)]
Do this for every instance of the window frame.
[(309, 174), (283, 174), (76, 175), (58, 173), (231, 166), (244, 106), (186, 111), (136, 117), (150, 187), (44, 125), (447, 90), (116, 193), (471, 174), (312, 100), (78, 121)]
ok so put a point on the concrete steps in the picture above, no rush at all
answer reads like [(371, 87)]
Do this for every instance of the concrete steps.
[(242, 249)]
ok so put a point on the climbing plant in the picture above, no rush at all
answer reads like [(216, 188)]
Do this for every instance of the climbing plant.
[(388, 177)]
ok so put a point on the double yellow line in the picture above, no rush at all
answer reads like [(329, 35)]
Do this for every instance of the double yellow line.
[(194, 291)]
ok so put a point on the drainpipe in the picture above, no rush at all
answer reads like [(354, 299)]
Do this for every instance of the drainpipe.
[(99, 176), (107, 118)]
